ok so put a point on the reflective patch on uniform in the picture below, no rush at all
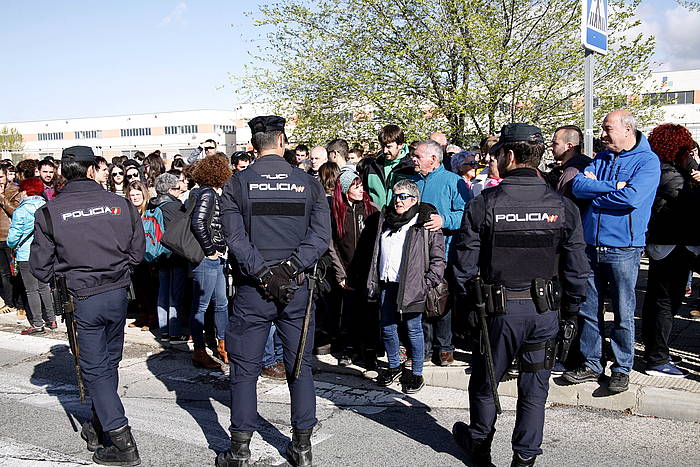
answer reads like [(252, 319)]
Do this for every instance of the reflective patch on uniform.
[(97, 211), (526, 217), (275, 176), (278, 209), (279, 186)]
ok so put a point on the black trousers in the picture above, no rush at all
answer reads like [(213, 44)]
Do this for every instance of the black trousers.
[(665, 290)]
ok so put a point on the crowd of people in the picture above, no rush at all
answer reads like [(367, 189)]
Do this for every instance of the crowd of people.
[(395, 216)]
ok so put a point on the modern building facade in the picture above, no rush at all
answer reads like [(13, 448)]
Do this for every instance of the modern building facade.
[(170, 132)]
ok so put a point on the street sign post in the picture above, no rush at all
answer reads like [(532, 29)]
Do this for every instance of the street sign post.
[(594, 36)]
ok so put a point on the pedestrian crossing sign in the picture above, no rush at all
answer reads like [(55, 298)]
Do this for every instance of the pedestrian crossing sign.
[(594, 25)]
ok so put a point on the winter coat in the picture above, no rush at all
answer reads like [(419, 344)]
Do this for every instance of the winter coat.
[(414, 281), (172, 209), (677, 198), (23, 226), (449, 194), (351, 254), (619, 218), (9, 200), (206, 221)]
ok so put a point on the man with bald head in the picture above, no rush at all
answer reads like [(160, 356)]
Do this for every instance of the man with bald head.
[(621, 184), (318, 156), (441, 139), (566, 146)]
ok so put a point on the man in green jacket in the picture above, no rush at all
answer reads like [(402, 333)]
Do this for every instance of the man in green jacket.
[(392, 165)]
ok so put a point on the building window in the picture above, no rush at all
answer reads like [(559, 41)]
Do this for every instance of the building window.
[(135, 132), (88, 134), (670, 98), (180, 129), (224, 128), (50, 136)]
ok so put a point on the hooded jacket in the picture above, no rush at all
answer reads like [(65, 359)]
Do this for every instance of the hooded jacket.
[(378, 185), (414, 281), (23, 226), (619, 218)]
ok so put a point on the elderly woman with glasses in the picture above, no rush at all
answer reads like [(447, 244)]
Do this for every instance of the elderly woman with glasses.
[(400, 277)]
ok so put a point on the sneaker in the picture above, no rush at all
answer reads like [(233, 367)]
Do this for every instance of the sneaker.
[(179, 339), (558, 369), (580, 375), (669, 370), (52, 325), (619, 382), (32, 330), (388, 376), (411, 383)]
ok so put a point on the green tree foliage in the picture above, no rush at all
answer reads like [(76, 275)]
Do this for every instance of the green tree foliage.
[(347, 67), (11, 140)]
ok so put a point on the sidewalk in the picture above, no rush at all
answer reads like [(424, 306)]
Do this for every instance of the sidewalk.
[(671, 398)]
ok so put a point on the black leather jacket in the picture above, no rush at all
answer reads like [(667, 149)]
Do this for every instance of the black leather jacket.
[(206, 220)]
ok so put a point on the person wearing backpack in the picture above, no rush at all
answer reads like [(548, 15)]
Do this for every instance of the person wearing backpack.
[(19, 237), (172, 268)]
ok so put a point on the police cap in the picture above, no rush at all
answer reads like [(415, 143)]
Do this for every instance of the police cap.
[(266, 123), (79, 153), (514, 132)]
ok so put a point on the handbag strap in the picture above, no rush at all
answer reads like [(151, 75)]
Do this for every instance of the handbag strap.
[(24, 240), (426, 255)]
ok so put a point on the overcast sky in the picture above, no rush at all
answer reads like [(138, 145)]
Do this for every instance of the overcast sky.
[(82, 58)]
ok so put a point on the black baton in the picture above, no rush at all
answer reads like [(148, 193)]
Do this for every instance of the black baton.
[(311, 278)]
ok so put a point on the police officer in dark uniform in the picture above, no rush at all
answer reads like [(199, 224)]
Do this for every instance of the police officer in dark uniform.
[(277, 225), (519, 236), (95, 238)]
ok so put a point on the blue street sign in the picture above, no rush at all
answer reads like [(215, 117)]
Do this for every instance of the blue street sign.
[(594, 25)]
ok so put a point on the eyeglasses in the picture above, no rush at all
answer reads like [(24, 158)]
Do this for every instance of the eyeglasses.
[(117, 172), (402, 196), (132, 175)]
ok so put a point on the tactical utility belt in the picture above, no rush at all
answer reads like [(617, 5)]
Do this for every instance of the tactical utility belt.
[(543, 293)]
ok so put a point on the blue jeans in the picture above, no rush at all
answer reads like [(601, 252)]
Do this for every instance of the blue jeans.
[(389, 322), (172, 282), (614, 270), (208, 285), (273, 348)]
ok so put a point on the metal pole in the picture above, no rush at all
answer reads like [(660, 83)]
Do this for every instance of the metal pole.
[(588, 103)]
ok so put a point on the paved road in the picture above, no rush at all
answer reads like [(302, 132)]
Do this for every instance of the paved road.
[(180, 418)]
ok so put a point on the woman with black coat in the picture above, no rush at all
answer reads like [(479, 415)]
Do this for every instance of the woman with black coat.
[(400, 277), (673, 242), (209, 282)]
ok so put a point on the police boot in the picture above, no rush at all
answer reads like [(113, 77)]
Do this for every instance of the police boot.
[(299, 450), (478, 449), (92, 433), (520, 461), (239, 454), (122, 451)]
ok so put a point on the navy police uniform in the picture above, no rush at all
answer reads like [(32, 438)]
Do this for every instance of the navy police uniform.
[(511, 234), (95, 238), (271, 213)]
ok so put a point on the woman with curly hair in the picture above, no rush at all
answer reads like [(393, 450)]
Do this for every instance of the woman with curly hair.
[(672, 244), (209, 283)]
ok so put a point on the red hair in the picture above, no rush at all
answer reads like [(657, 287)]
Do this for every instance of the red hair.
[(671, 142), (339, 207), (33, 186)]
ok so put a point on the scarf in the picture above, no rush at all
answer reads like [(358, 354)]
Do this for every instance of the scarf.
[(394, 221)]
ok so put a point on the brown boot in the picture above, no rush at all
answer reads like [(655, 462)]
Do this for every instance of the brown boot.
[(221, 348), (201, 359)]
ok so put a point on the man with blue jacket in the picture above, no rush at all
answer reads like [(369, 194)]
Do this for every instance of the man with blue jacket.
[(621, 184), (448, 192)]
